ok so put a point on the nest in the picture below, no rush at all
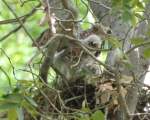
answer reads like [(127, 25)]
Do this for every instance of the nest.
[(65, 99)]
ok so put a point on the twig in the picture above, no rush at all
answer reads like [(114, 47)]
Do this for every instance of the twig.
[(9, 80), (139, 114), (49, 14), (139, 45), (77, 63), (9, 61), (9, 21), (25, 1), (22, 25), (24, 19), (11, 32)]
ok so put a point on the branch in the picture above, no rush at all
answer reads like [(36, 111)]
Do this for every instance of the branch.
[(139, 45), (9, 80), (22, 25), (11, 64), (25, 17), (11, 32), (11, 20)]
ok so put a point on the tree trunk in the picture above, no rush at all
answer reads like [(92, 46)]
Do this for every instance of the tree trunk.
[(124, 32)]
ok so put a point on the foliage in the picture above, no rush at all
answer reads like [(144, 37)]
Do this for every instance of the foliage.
[(131, 10), (18, 86)]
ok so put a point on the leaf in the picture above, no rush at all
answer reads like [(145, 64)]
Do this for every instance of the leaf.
[(133, 2), (7, 106), (84, 118), (98, 115), (31, 101), (148, 32), (126, 15), (20, 114), (116, 3), (119, 54), (146, 53), (128, 64), (137, 41), (84, 104), (141, 5), (12, 114), (13, 98), (134, 20), (138, 15), (26, 105), (114, 41), (85, 107), (85, 25)]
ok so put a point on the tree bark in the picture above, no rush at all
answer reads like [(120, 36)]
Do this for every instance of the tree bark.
[(124, 32)]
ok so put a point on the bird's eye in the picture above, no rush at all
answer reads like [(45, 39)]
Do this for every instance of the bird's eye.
[(91, 44), (109, 32), (97, 53)]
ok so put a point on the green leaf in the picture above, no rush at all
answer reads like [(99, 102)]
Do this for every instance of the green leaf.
[(84, 118), (7, 106), (116, 3), (13, 98), (32, 110), (85, 25), (148, 33), (98, 115), (114, 41), (119, 54), (134, 2), (141, 5), (12, 114), (128, 64), (20, 114), (137, 41), (134, 20), (85, 107), (138, 15), (146, 53), (126, 15), (31, 101)]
